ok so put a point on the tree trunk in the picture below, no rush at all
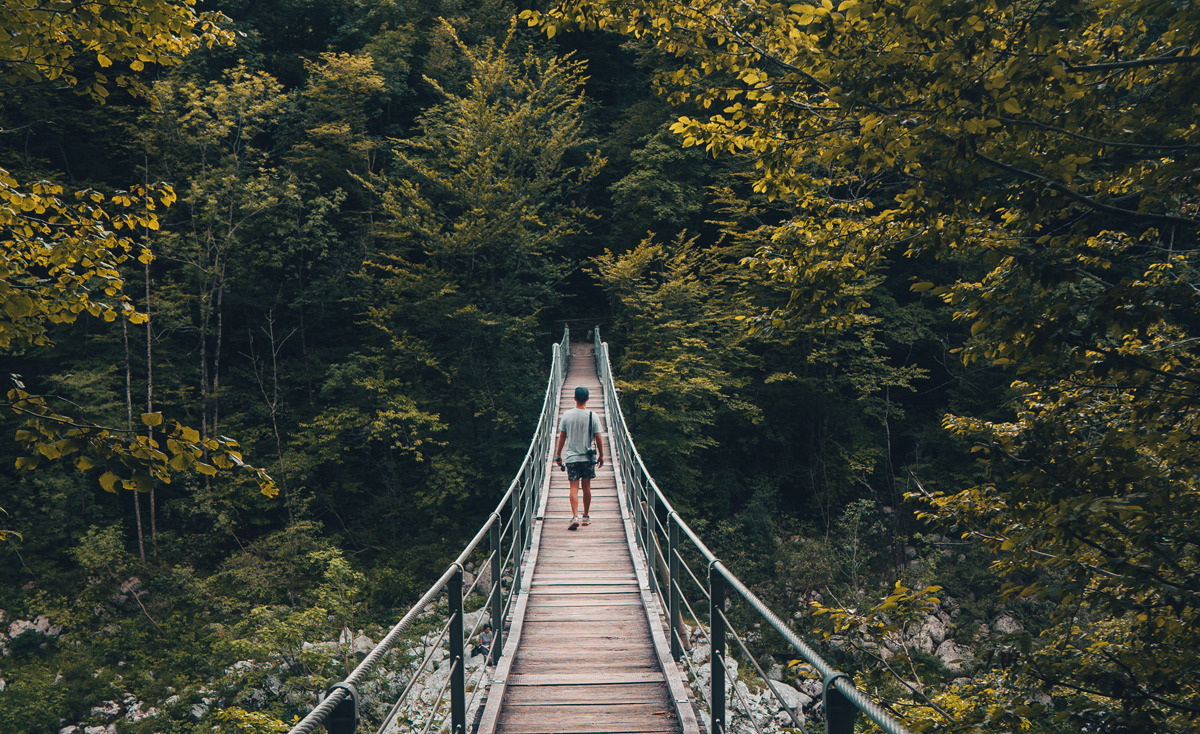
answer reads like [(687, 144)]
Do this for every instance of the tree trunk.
[(137, 503), (150, 403)]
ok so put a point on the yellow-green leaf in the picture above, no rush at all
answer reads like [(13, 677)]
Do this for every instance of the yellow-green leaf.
[(108, 481)]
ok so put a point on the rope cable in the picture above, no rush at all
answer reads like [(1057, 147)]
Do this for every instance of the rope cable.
[(433, 648), (758, 669)]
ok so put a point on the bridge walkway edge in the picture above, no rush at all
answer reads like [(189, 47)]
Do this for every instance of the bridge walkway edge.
[(586, 655)]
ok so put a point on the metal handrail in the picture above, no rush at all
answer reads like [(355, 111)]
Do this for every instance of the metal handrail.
[(643, 497), (338, 711)]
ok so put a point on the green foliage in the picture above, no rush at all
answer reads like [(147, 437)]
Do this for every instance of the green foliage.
[(680, 352), (31, 704), (904, 137), (235, 720)]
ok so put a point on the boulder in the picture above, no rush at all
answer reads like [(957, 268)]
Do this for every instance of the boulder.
[(106, 709), (39, 624), (1006, 626), (952, 655), (363, 644), (934, 628), (792, 698), (484, 587)]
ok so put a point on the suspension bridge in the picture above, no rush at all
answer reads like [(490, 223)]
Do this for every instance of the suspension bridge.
[(591, 625)]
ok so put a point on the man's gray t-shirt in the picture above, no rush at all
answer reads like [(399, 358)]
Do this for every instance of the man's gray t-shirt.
[(580, 425)]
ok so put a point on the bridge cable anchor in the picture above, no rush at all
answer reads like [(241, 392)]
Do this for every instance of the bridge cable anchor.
[(344, 718), (839, 710)]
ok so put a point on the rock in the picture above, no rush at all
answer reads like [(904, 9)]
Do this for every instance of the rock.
[(110, 729), (58, 678), (130, 586), (952, 655), (134, 712), (40, 624), (484, 587), (321, 647), (200, 709), (792, 698), (775, 672), (923, 640), (1006, 626), (363, 644), (475, 620), (345, 638), (811, 687), (69, 730), (3, 685), (106, 708)]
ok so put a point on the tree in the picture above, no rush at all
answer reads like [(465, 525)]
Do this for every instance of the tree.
[(45, 42), (480, 212), (61, 259), (682, 356), (1046, 152)]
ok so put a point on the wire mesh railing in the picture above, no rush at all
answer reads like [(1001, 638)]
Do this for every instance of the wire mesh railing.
[(658, 531), (508, 532)]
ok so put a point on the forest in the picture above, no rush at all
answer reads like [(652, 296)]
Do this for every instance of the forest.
[(899, 295)]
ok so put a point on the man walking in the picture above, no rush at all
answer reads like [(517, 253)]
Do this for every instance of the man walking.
[(577, 429)]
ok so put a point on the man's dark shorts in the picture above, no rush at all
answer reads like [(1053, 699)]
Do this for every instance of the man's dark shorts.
[(577, 470)]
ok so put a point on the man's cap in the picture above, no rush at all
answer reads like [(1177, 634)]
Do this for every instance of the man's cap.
[(581, 394)]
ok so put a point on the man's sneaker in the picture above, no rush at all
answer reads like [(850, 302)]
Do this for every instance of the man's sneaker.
[(587, 520), (574, 524)]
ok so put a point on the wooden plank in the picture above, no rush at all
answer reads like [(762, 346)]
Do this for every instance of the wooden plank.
[(585, 679), (571, 570), (584, 650), (598, 661), (625, 600), (567, 717), (594, 696), (630, 712), (585, 588), (581, 566), (583, 614), (574, 583), (647, 727)]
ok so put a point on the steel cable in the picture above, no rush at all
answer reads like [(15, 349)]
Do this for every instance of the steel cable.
[(758, 668)]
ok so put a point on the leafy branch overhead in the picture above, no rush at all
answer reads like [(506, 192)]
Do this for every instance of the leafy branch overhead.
[(60, 259), (129, 461), (1034, 167)]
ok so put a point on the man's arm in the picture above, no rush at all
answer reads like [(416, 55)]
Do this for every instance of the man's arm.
[(599, 450), (562, 438)]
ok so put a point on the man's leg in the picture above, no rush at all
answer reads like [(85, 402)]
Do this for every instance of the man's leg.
[(575, 500), (587, 497)]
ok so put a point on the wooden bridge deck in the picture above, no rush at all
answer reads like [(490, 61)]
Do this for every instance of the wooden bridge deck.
[(587, 651)]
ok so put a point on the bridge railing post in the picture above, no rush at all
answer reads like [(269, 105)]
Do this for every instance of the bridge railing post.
[(517, 546), (497, 601), (840, 711), (676, 627), (458, 680), (716, 660), (652, 545)]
